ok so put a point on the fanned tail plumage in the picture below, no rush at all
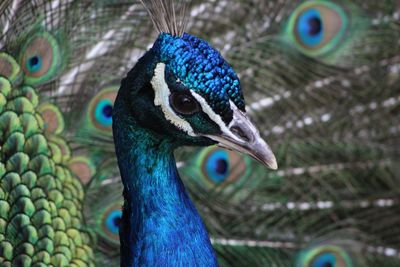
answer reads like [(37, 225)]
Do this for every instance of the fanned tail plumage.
[(321, 80), (41, 200)]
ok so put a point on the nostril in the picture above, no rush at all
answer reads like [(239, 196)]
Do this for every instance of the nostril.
[(239, 133)]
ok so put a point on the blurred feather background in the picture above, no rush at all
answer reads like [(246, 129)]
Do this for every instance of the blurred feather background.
[(321, 80)]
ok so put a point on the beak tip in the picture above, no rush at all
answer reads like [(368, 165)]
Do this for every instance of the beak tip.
[(273, 165)]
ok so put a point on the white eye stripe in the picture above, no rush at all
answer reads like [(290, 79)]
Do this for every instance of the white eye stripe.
[(209, 111), (214, 116), (161, 98)]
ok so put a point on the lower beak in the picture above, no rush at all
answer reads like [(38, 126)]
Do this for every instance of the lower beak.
[(241, 135)]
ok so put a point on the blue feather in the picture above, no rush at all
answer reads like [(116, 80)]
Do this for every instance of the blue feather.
[(160, 225)]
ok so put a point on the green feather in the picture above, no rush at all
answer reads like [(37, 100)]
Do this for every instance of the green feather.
[(9, 68), (37, 190), (339, 22), (103, 211), (41, 58), (331, 254), (97, 118)]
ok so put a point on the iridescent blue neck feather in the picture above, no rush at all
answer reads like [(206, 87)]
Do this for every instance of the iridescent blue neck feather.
[(160, 225)]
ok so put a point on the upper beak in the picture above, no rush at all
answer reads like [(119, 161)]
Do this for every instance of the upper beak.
[(241, 135)]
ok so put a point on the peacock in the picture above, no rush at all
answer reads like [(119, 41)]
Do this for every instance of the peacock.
[(321, 83)]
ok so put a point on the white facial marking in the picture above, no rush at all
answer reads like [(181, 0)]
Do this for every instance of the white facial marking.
[(161, 99), (213, 116)]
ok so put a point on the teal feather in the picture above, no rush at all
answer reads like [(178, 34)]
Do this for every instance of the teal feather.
[(103, 210)]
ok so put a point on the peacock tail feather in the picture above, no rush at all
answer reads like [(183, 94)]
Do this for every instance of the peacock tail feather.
[(321, 82), (103, 209), (41, 200)]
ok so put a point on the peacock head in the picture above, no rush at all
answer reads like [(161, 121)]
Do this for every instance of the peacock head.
[(184, 92)]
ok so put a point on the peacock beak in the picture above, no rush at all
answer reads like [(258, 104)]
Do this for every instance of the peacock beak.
[(241, 135)]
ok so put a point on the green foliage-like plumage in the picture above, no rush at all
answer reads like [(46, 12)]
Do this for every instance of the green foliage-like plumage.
[(41, 202)]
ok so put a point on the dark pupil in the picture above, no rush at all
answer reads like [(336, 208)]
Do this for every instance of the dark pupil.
[(117, 221), (33, 61), (315, 27), (222, 166), (107, 111), (184, 104)]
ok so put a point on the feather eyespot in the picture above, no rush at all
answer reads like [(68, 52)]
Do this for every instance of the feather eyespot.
[(221, 167), (316, 28), (324, 260), (101, 108), (310, 28), (324, 256), (103, 112), (34, 63), (216, 166), (41, 58), (111, 222)]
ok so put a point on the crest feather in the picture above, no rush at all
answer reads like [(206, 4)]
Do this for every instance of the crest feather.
[(168, 17)]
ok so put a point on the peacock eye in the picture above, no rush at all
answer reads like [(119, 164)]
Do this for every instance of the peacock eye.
[(325, 256), (318, 28), (34, 63), (41, 58), (112, 221), (183, 103), (100, 111), (310, 27), (222, 167), (324, 260)]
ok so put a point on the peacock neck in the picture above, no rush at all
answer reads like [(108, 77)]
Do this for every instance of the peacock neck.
[(160, 225)]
